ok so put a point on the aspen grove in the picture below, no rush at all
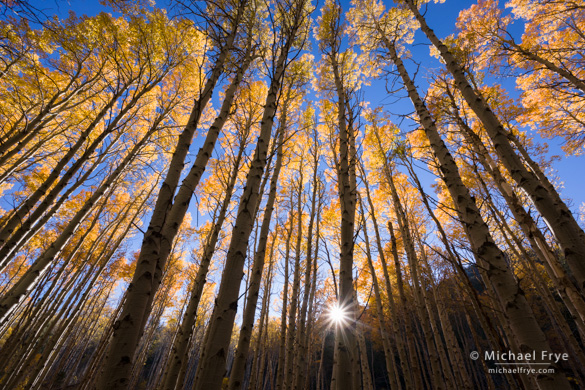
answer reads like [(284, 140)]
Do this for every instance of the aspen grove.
[(291, 195)]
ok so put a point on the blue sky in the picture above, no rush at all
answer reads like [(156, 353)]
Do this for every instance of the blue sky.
[(441, 17)]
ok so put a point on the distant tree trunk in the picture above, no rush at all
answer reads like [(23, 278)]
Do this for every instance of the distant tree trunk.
[(567, 290), (414, 366), (294, 298), (79, 298), (178, 361), (300, 364), (385, 330), (55, 182), (42, 215), (346, 361), (413, 262), (258, 362), (283, 329), (241, 357), (453, 347), (38, 268), (366, 373), (438, 330), (395, 327), (313, 287), (456, 263)]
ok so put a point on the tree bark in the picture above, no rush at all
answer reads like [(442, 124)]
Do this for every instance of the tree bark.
[(137, 306), (211, 368), (547, 201), (520, 316), (239, 366)]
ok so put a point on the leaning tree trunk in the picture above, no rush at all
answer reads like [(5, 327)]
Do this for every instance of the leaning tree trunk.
[(300, 353), (547, 201), (439, 379), (27, 282), (292, 312), (345, 374), (566, 288), (415, 368), (385, 329), (178, 361), (258, 361), (48, 189), (394, 313), (520, 316), (211, 368), (129, 327), (239, 365), (282, 336)]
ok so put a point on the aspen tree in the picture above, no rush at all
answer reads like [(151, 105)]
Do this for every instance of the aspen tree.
[(313, 287), (449, 335), (131, 90), (346, 367), (365, 373), (302, 345), (238, 368), (538, 242), (437, 329), (162, 228), (547, 201), (414, 364), (413, 262), (56, 87), (95, 111), (521, 317), (279, 379), (393, 373), (546, 62), (394, 312), (52, 322), (69, 312), (28, 281), (211, 368), (48, 189), (385, 167), (177, 365), (258, 363), (293, 308)]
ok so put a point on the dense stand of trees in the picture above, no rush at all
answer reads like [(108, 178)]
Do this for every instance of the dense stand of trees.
[(215, 200)]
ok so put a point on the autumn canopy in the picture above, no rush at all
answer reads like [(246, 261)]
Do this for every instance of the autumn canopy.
[(291, 195)]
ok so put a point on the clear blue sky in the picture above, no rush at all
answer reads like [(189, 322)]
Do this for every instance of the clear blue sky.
[(441, 17)]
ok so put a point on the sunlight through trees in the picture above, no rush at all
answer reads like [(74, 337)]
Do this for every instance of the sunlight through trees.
[(291, 195)]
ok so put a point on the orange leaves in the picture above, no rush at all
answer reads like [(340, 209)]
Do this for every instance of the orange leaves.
[(328, 21), (483, 28), (371, 24), (554, 112), (547, 61), (381, 138), (124, 269)]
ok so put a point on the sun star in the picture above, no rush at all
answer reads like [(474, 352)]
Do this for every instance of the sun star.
[(338, 315)]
